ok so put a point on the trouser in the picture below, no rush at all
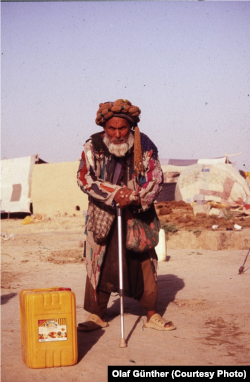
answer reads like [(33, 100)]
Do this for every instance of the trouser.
[(97, 303)]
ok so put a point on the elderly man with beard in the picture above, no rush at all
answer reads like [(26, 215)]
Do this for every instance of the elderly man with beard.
[(108, 175)]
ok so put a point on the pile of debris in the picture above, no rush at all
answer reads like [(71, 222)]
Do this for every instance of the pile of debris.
[(205, 215)]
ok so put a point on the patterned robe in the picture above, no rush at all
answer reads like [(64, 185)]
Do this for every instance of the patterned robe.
[(94, 177)]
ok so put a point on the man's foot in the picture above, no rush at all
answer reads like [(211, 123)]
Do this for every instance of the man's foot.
[(159, 323), (93, 323)]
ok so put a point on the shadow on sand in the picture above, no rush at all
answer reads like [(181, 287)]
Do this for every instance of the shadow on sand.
[(168, 286), (6, 297), (86, 340)]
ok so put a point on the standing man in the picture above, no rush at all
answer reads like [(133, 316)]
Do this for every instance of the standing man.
[(119, 167)]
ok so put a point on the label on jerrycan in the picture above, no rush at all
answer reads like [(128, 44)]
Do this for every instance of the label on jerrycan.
[(52, 330)]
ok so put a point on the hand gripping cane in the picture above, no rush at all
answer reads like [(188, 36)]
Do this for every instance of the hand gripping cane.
[(123, 343)]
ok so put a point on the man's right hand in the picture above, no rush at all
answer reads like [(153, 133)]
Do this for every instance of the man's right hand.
[(125, 196)]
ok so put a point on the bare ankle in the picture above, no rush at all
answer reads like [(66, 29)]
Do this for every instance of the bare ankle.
[(150, 313)]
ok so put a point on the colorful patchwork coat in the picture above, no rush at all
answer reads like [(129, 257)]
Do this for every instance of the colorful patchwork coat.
[(94, 177)]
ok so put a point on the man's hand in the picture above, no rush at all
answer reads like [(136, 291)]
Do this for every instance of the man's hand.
[(125, 196)]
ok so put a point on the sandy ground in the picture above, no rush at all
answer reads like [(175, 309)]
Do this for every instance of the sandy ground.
[(201, 290)]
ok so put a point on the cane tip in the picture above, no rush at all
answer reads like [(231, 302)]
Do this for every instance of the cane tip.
[(241, 270), (123, 343)]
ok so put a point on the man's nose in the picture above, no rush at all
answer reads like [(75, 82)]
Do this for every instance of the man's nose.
[(117, 133)]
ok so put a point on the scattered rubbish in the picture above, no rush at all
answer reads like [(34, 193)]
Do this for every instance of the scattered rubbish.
[(246, 209), (38, 217), (241, 270), (201, 208), (215, 212), (7, 236), (42, 246), (237, 227), (27, 220), (215, 226)]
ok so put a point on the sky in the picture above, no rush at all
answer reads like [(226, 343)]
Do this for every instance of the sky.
[(184, 63)]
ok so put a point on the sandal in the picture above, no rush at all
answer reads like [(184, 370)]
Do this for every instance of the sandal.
[(93, 323), (157, 322)]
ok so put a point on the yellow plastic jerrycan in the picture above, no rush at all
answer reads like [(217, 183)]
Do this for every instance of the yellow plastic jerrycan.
[(48, 327)]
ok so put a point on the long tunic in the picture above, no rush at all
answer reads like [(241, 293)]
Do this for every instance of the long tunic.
[(95, 176)]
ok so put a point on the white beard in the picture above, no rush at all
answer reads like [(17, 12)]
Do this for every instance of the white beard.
[(119, 150)]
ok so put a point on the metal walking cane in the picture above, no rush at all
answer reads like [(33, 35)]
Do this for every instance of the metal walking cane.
[(123, 343), (138, 167)]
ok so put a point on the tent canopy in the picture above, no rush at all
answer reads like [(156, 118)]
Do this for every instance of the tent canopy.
[(212, 182)]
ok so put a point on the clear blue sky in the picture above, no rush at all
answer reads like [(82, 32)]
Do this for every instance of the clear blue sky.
[(186, 64)]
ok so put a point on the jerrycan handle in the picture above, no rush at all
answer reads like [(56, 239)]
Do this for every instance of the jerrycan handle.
[(51, 289)]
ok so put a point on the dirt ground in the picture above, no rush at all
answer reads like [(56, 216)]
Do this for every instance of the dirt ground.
[(200, 289)]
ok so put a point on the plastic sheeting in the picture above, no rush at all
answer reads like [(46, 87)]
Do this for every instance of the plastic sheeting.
[(16, 175), (167, 193), (173, 167), (207, 182)]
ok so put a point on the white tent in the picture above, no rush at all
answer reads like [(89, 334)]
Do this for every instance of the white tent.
[(50, 188), (16, 177), (172, 168), (212, 182)]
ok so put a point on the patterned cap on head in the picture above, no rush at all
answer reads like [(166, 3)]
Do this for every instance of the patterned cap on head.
[(120, 108)]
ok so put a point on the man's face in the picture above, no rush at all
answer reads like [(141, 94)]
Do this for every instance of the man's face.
[(117, 130)]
